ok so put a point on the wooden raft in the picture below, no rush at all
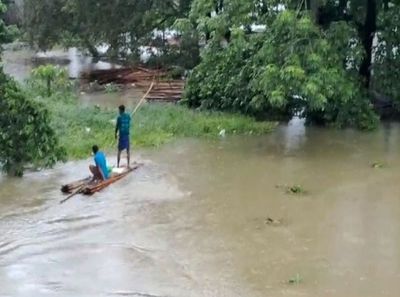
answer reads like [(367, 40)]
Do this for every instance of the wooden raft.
[(87, 187)]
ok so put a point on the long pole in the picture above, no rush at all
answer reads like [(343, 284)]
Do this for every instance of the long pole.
[(143, 98)]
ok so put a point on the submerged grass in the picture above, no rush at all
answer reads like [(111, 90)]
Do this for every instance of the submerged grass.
[(80, 127)]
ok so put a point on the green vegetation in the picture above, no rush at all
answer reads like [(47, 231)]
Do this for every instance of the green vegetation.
[(124, 25), (26, 136), (48, 78), (294, 66), (78, 128), (313, 58), (294, 189), (295, 280), (378, 165)]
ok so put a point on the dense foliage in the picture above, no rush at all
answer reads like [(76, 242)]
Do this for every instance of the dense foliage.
[(79, 127), (124, 26), (313, 58), (322, 59), (26, 136), (25, 133), (47, 79), (387, 65)]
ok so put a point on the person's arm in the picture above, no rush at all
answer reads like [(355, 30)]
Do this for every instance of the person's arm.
[(117, 127)]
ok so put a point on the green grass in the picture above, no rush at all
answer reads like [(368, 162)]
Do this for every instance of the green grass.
[(80, 127)]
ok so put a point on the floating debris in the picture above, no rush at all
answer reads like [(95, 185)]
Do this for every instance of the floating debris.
[(297, 279), (294, 189), (273, 222), (378, 165)]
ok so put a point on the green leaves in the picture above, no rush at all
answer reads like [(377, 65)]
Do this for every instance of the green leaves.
[(289, 68), (25, 132), (47, 79), (26, 136), (387, 55)]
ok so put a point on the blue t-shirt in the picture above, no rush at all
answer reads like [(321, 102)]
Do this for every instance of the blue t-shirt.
[(124, 124), (100, 161)]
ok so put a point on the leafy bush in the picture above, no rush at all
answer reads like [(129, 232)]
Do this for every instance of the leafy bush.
[(387, 55), (26, 136), (291, 68), (47, 79)]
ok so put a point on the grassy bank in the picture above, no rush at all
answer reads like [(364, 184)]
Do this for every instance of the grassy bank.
[(153, 125)]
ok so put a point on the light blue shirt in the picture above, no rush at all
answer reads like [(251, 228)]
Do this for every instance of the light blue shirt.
[(100, 161)]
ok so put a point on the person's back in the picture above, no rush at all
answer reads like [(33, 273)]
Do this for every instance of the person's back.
[(101, 163), (122, 129), (124, 124)]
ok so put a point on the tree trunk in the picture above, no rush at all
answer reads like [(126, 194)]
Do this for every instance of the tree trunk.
[(367, 37), (313, 6)]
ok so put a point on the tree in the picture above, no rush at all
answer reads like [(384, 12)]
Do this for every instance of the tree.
[(25, 133), (295, 66), (123, 25), (26, 136), (386, 67), (49, 77)]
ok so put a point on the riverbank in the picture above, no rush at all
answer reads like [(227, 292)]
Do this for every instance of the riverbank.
[(79, 127)]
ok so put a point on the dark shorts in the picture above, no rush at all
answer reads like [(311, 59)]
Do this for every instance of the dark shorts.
[(123, 142)]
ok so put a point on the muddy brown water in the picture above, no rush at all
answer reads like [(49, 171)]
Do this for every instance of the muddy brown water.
[(194, 221), (20, 62)]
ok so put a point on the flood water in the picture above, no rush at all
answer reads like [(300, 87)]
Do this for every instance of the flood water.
[(193, 221), (19, 62)]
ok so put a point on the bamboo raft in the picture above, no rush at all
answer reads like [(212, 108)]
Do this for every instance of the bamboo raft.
[(87, 187)]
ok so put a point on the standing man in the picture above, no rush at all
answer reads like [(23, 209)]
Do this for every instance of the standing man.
[(99, 170), (122, 132)]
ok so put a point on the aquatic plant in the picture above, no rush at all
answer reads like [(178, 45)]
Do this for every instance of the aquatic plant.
[(295, 280), (378, 165), (293, 189)]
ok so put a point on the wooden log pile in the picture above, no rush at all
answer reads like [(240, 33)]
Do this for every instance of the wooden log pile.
[(122, 75), (163, 90)]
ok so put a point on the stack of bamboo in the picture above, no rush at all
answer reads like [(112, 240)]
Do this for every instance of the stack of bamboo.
[(164, 91), (123, 75)]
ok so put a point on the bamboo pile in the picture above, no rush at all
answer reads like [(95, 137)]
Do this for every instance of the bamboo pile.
[(122, 75), (164, 91)]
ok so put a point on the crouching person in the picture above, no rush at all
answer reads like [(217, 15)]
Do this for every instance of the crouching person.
[(99, 170)]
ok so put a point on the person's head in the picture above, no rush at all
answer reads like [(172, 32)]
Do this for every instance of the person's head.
[(121, 108), (95, 149)]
